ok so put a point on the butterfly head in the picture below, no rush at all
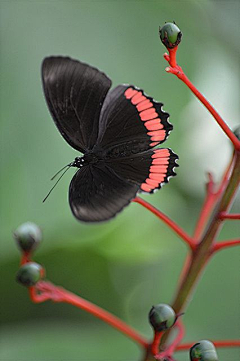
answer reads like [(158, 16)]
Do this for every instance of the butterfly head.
[(78, 162)]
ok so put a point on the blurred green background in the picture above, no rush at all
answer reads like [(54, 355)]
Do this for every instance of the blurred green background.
[(134, 261)]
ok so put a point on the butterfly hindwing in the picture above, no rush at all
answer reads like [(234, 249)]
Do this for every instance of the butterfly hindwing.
[(149, 170), (74, 93), (97, 193), (130, 117)]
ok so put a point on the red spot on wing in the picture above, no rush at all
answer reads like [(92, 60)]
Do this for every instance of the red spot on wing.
[(148, 114), (160, 136), (145, 187), (160, 161), (159, 177), (153, 124), (129, 93), (138, 98), (144, 105), (151, 182), (161, 153), (160, 169), (156, 132), (153, 144), (157, 170)]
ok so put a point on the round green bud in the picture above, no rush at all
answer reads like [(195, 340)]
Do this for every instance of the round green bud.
[(29, 274), (203, 351), (162, 317), (237, 132), (170, 35), (28, 236)]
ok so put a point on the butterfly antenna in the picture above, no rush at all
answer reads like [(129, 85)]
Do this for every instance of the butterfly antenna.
[(67, 166), (60, 171)]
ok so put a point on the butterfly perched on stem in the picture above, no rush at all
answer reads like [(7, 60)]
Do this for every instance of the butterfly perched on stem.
[(117, 132)]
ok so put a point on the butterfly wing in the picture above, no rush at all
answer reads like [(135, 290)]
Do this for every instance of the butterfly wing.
[(149, 170), (129, 117), (74, 92), (97, 193)]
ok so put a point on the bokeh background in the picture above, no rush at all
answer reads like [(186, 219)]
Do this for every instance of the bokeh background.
[(134, 261)]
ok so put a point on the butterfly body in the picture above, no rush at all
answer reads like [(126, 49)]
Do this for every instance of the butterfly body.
[(117, 131)]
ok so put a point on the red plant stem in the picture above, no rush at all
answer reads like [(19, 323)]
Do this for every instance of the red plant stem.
[(185, 237), (218, 344), (212, 197), (172, 57), (207, 207), (204, 250), (44, 291), (214, 113), (178, 339), (26, 257), (47, 291), (225, 244), (225, 215), (177, 70), (156, 342), (170, 350)]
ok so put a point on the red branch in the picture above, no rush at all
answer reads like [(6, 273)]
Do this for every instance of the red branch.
[(225, 215), (185, 237), (156, 342), (218, 344), (47, 291), (26, 257), (225, 244), (44, 291), (207, 207), (170, 350), (212, 196), (177, 70)]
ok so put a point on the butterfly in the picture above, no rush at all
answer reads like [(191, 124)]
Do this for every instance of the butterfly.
[(116, 130)]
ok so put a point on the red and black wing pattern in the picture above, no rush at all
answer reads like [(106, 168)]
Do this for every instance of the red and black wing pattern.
[(130, 117), (149, 170), (97, 193), (117, 130), (74, 92)]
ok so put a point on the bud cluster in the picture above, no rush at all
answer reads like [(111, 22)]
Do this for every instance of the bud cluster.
[(28, 236)]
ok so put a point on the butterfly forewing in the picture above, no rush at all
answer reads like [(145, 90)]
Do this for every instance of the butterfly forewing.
[(74, 93), (129, 116)]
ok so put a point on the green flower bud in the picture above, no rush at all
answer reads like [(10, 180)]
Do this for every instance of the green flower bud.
[(170, 35), (203, 351), (237, 132), (162, 317), (28, 236), (29, 274)]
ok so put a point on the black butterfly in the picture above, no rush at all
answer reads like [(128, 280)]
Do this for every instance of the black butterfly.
[(116, 130)]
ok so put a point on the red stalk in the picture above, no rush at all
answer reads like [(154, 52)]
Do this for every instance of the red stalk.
[(218, 344), (225, 244), (26, 257), (177, 70), (225, 215), (156, 342), (178, 339), (170, 349), (212, 197), (185, 237), (207, 207), (44, 291)]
